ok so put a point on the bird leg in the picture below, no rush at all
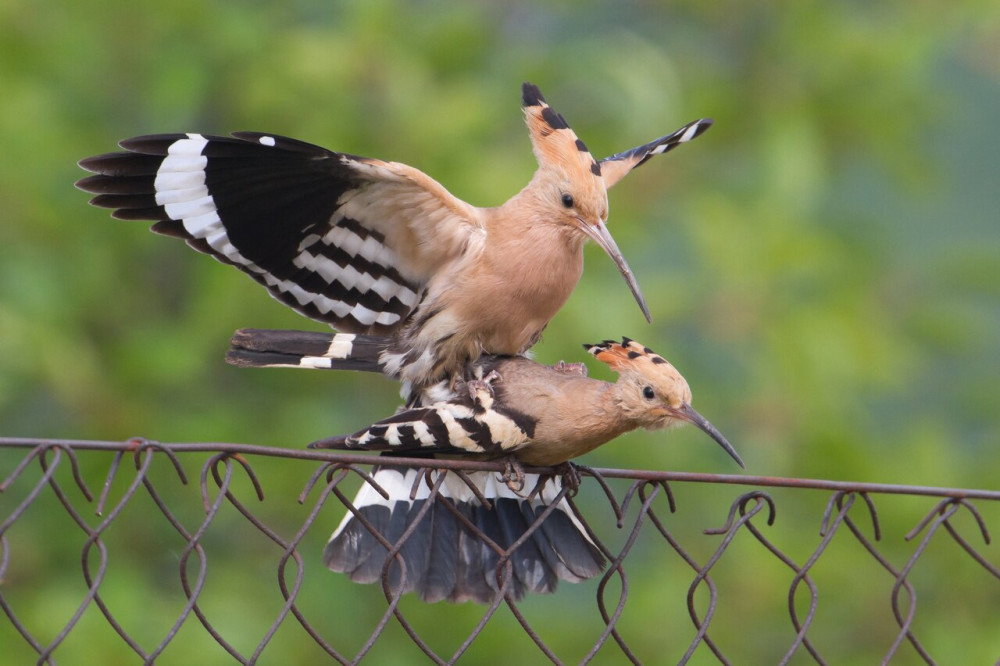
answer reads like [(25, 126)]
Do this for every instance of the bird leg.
[(474, 386), (513, 474), (571, 368)]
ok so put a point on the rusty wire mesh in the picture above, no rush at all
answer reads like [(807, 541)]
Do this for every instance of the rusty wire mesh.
[(63, 474)]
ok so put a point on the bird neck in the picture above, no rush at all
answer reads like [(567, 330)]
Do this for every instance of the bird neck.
[(579, 414), (598, 417), (527, 244), (619, 411)]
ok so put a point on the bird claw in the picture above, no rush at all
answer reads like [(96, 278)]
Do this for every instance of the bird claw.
[(513, 474), (474, 386), (571, 368), (570, 473)]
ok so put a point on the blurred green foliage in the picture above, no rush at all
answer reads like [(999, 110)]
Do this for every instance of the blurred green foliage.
[(823, 266)]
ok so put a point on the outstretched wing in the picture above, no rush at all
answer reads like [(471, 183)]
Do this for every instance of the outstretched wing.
[(346, 240), (615, 167)]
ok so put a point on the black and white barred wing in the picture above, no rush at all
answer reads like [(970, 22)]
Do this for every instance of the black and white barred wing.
[(475, 426), (339, 238), (615, 167)]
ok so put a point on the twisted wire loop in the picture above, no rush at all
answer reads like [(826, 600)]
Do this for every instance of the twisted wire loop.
[(639, 511)]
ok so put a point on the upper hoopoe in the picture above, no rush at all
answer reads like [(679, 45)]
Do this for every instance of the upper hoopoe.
[(542, 415), (369, 246)]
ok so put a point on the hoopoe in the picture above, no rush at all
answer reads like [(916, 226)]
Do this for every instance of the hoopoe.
[(509, 406), (375, 247)]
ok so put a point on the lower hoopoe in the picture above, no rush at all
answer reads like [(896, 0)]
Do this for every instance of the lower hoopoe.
[(508, 406)]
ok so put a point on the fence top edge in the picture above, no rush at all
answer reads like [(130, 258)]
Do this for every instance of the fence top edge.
[(137, 443)]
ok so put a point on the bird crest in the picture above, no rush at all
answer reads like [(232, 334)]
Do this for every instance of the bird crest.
[(555, 144), (631, 358), (625, 355)]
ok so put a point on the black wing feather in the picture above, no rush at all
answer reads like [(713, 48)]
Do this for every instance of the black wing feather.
[(276, 200)]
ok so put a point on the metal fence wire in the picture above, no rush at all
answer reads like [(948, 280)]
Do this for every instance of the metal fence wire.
[(53, 482)]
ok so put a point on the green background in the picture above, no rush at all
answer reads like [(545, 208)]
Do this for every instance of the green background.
[(823, 266)]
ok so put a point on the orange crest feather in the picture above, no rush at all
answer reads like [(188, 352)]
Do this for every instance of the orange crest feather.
[(627, 354), (555, 143)]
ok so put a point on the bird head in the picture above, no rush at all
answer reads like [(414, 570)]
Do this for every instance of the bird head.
[(569, 182), (652, 391)]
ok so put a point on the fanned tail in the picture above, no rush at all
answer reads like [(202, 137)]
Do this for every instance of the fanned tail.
[(446, 560)]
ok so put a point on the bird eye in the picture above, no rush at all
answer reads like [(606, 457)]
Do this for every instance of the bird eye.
[(567, 200), (648, 393)]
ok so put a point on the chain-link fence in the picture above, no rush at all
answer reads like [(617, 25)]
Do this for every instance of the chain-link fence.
[(54, 483)]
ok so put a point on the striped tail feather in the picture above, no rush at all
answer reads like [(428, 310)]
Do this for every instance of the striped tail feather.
[(266, 348), (445, 559)]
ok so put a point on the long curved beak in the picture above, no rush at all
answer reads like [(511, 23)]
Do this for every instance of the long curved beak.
[(687, 413), (599, 234)]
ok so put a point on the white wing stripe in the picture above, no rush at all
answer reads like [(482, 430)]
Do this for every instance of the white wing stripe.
[(369, 248), (372, 250), (326, 269), (184, 209), (179, 180), (173, 196), (387, 318), (392, 435), (345, 239), (457, 435), (200, 226), (220, 242), (351, 278), (423, 434), (364, 315), (189, 147), (504, 430), (387, 288), (183, 164)]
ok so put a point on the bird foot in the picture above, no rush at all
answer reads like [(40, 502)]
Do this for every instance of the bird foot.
[(474, 386), (570, 473), (513, 474), (571, 368)]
